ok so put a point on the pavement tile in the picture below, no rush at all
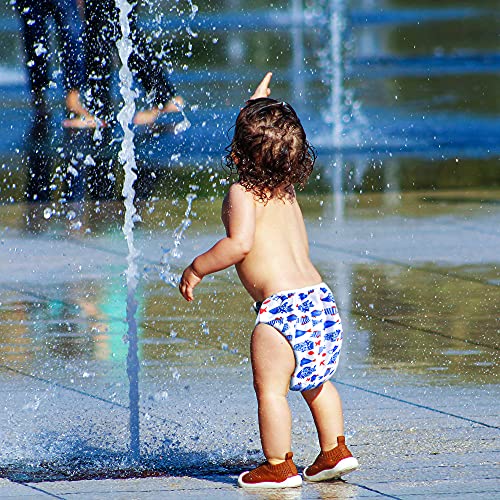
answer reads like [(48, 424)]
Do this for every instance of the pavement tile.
[(10, 489), (220, 487)]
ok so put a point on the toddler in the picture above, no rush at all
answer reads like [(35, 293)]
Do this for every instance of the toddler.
[(298, 334)]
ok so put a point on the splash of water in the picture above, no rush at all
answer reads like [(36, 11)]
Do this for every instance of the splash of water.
[(127, 158), (337, 24), (183, 125), (297, 14), (175, 252), (332, 64), (337, 105)]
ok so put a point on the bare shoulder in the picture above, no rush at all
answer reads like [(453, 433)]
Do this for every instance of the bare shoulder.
[(238, 194), (237, 200), (237, 189)]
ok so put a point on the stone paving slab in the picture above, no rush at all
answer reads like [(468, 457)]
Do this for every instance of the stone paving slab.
[(421, 463), (219, 487), (185, 487), (10, 489), (482, 488)]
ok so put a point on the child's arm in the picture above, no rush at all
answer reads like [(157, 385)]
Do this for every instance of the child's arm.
[(239, 219)]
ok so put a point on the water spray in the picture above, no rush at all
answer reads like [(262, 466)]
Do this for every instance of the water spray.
[(127, 158)]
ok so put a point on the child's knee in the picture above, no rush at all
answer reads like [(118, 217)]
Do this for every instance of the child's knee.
[(269, 394), (269, 387)]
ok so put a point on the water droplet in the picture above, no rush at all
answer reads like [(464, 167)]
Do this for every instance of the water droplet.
[(89, 160), (182, 126), (73, 171)]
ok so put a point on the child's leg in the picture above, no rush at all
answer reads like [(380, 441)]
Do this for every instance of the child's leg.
[(273, 363), (335, 459), (326, 408)]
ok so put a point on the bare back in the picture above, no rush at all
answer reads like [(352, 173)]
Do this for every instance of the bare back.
[(279, 257)]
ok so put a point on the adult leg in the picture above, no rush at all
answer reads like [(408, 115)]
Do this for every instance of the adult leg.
[(147, 68), (34, 30), (101, 34), (326, 408), (273, 363), (70, 31), (69, 28), (38, 161)]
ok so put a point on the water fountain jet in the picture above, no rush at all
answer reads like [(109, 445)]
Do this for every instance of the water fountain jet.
[(127, 158)]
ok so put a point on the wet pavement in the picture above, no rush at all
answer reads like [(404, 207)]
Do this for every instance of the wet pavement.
[(417, 282)]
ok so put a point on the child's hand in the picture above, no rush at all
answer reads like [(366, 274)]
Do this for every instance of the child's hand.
[(263, 89), (189, 280)]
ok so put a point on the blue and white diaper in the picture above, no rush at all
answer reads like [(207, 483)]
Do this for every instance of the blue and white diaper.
[(308, 318)]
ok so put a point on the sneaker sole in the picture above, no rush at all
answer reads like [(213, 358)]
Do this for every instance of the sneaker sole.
[(290, 482), (345, 466)]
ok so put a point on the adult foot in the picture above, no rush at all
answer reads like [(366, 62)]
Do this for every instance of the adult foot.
[(79, 117), (81, 122), (332, 464), (283, 475), (149, 116)]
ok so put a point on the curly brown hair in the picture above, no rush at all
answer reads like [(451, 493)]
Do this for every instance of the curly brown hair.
[(269, 150)]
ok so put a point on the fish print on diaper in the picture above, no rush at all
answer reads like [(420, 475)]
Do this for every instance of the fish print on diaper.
[(308, 318)]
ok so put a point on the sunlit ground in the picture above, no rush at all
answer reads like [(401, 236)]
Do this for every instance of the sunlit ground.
[(415, 275)]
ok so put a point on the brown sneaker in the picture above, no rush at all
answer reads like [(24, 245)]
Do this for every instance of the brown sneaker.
[(332, 464), (283, 475)]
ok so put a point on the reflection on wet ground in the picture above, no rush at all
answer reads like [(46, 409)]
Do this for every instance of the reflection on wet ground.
[(427, 318), (427, 321), (434, 321)]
